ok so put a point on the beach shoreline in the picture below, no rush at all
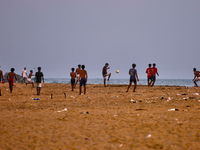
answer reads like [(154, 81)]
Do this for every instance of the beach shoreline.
[(159, 117)]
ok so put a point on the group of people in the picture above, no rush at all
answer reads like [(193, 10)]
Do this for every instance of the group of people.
[(81, 76), (11, 76)]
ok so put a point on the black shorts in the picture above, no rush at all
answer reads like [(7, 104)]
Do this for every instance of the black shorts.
[(72, 81), (133, 80), (150, 78), (154, 78)]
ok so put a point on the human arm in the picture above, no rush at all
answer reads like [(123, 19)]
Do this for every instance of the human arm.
[(136, 76), (86, 76), (43, 78)]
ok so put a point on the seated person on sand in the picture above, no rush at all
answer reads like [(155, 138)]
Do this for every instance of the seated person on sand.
[(29, 81), (196, 76)]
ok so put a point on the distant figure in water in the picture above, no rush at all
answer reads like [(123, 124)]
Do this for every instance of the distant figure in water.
[(196, 76), (154, 71), (10, 78), (73, 76), (84, 77), (133, 77), (38, 76), (105, 73)]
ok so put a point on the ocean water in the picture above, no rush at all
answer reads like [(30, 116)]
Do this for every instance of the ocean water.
[(164, 82)]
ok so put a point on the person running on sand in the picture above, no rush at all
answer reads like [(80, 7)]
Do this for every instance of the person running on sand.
[(196, 76), (10, 78), (154, 71), (38, 76), (133, 76), (78, 74), (1, 76), (84, 77), (24, 75), (73, 76), (105, 73), (29, 78), (149, 75)]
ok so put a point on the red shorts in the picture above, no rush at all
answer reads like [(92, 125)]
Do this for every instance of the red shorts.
[(11, 81)]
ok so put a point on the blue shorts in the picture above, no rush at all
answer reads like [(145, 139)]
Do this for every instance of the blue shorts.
[(83, 82), (150, 78), (133, 80), (0, 79)]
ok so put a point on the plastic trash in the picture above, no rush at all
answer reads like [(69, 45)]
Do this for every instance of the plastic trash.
[(62, 110), (36, 99), (148, 136), (162, 97), (173, 109), (183, 94), (196, 94)]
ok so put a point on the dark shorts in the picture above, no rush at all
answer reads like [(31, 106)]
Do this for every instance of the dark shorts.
[(150, 78), (83, 82), (133, 80), (154, 78), (72, 81)]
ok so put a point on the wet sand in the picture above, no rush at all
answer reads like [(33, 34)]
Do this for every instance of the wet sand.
[(105, 118)]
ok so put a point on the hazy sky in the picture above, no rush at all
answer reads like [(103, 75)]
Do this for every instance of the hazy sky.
[(60, 34)]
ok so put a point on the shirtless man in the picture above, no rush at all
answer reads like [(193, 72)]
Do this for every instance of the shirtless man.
[(196, 76), (78, 74), (10, 78), (105, 73), (83, 76), (29, 78), (73, 76)]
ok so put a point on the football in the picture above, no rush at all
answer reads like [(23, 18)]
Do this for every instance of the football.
[(117, 71)]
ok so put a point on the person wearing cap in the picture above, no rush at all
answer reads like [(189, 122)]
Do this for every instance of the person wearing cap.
[(105, 73)]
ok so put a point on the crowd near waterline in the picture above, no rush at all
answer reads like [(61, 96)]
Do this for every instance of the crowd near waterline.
[(80, 76)]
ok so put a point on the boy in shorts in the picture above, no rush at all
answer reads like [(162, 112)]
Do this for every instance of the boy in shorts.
[(105, 73), (10, 78), (78, 74), (73, 76), (38, 76), (83, 76), (196, 76), (133, 76), (154, 71), (149, 75), (29, 78), (24, 74)]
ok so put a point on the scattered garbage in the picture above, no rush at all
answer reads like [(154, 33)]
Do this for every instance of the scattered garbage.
[(133, 101), (62, 110), (36, 99), (72, 97), (183, 94), (196, 94), (185, 110), (162, 97), (173, 109), (86, 139), (185, 99), (192, 97), (148, 136)]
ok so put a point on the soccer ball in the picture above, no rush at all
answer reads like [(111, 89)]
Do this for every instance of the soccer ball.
[(117, 71)]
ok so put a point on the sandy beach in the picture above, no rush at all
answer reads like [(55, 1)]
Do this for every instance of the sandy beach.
[(161, 117)]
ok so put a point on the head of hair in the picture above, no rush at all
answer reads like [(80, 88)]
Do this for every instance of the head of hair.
[(194, 69), (83, 66), (149, 65), (39, 68), (31, 70), (107, 64), (154, 64), (79, 65), (72, 69), (133, 65), (12, 69)]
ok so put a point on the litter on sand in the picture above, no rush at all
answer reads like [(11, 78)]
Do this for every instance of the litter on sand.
[(62, 110)]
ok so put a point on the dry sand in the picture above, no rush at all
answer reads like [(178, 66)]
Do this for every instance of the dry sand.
[(104, 118)]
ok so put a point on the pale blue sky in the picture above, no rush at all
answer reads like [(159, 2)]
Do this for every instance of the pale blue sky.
[(59, 34)]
